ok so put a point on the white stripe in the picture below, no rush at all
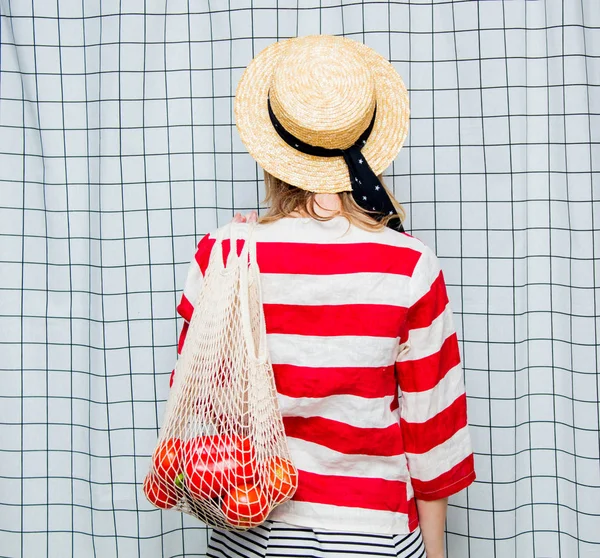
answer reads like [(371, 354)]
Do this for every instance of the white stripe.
[(420, 406), (430, 465), (337, 518), (348, 288), (425, 273), (335, 231), (339, 351), (426, 341), (193, 283), (320, 460), (316, 290), (349, 409)]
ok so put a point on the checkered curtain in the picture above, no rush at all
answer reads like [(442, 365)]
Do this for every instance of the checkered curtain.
[(118, 152)]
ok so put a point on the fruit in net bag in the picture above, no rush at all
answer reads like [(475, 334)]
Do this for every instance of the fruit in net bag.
[(283, 479), (167, 461), (245, 506), (213, 464), (158, 493)]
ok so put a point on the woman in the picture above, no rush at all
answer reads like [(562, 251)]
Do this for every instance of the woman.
[(360, 332)]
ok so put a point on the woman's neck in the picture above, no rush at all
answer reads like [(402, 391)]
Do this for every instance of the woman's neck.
[(327, 204)]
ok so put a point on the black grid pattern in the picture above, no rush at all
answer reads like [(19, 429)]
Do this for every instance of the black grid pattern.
[(117, 152)]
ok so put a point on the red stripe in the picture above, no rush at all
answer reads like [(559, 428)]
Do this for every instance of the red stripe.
[(331, 259), (344, 438), (429, 306), (182, 337), (373, 320), (322, 259), (425, 373), (299, 381), (448, 483), (203, 252), (395, 404), (352, 492), (413, 515), (205, 247), (424, 436), (185, 308)]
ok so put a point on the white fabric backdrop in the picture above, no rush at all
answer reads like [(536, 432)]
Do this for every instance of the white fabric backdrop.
[(117, 152)]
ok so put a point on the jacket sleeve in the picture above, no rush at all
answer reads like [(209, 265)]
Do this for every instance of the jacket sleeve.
[(192, 289), (433, 405)]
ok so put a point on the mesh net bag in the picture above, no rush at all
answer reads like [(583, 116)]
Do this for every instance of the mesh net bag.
[(222, 454)]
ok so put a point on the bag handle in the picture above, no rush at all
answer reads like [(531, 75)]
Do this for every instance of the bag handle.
[(234, 235), (245, 261), (230, 232), (215, 259), (261, 353), (249, 261)]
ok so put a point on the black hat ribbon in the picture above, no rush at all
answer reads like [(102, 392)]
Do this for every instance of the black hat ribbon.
[(367, 190)]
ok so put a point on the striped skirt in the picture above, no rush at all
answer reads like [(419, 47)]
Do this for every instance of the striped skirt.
[(279, 540)]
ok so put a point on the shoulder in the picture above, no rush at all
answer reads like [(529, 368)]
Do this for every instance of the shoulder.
[(424, 256), (428, 258)]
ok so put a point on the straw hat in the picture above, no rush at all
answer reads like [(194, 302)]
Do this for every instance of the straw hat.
[(326, 91)]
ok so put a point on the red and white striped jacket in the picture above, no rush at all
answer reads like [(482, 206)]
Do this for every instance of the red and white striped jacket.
[(367, 368)]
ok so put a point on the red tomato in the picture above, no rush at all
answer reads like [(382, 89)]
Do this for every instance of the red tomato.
[(214, 463), (283, 479), (167, 459), (158, 493), (245, 506), (245, 457)]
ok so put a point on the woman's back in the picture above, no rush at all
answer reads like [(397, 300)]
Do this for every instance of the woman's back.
[(367, 370)]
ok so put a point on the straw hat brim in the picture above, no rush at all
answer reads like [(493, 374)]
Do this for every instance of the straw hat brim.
[(309, 172)]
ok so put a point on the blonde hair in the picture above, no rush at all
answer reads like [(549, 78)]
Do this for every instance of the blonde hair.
[(284, 200)]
